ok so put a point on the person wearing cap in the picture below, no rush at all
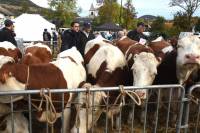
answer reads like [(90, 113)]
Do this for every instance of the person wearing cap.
[(7, 33), (137, 34), (86, 35), (71, 37)]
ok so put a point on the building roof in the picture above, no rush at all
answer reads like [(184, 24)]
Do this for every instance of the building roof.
[(92, 7), (108, 27)]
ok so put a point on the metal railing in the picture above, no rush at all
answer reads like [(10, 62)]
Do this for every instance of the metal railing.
[(162, 111), (192, 110)]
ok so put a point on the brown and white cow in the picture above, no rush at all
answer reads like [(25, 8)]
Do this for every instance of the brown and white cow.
[(166, 71), (20, 123), (142, 62), (66, 72), (106, 67), (8, 49), (36, 54), (188, 57)]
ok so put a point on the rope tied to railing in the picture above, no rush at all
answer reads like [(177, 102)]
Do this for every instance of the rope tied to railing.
[(193, 98), (130, 93), (51, 114)]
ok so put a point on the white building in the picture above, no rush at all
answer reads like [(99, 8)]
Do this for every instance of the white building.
[(94, 8)]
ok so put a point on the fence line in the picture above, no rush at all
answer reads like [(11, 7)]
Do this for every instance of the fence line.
[(164, 102)]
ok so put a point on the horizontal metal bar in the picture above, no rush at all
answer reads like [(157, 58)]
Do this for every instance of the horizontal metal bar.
[(17, 92)]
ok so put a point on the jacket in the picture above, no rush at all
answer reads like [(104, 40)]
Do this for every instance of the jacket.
[(70, 38), (84, 40), (7, 35), (134, 35)]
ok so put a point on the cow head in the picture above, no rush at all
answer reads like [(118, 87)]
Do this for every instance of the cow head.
[(19, 121), (188, 57), (36, 54), (144, 69), (81, 118), (8, 49)]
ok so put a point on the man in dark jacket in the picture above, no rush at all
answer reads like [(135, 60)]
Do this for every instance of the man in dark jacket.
[(46, 37), (71, 37), (86, 35), (137, 34), (7, 33)]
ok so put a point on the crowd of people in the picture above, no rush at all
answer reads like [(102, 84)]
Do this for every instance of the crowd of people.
[(75, 36)]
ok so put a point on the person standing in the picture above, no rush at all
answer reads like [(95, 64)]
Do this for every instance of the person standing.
[(46, 37), (71, 37), (86, 35), (137, 34), (7, 33)]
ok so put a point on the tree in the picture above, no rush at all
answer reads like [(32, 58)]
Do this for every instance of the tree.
[(65, 10), (129, 14), (189, 6), (197, 26), (25, 7), (158, 25), (181, 22), (109, 12)]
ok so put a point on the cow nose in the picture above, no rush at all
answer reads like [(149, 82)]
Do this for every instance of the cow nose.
[(192, 56)]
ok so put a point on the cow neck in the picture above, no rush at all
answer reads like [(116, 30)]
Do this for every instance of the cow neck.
[(161, 54), (88, 56), (128, 50)]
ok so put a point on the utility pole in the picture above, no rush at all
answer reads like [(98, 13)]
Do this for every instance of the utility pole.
[(120, 16)]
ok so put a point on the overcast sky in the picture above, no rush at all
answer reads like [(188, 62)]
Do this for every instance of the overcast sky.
[(143, 7)]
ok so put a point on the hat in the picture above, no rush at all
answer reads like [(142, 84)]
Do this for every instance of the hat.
[(8, 22), (86, 25), (140, 23)]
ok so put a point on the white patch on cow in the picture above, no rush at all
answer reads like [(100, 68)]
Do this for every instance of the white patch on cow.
[(5, 59), (73, 53), (20, 123), (7, 45), (167, 49), (99, 41), (40, 45), (109, 53), (74, 74), (160, 38), (11, 84), (187, 46), (144, 70)]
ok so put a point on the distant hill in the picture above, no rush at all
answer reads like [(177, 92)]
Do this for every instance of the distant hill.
[(148, 17), (18, 2), (17, 7)]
